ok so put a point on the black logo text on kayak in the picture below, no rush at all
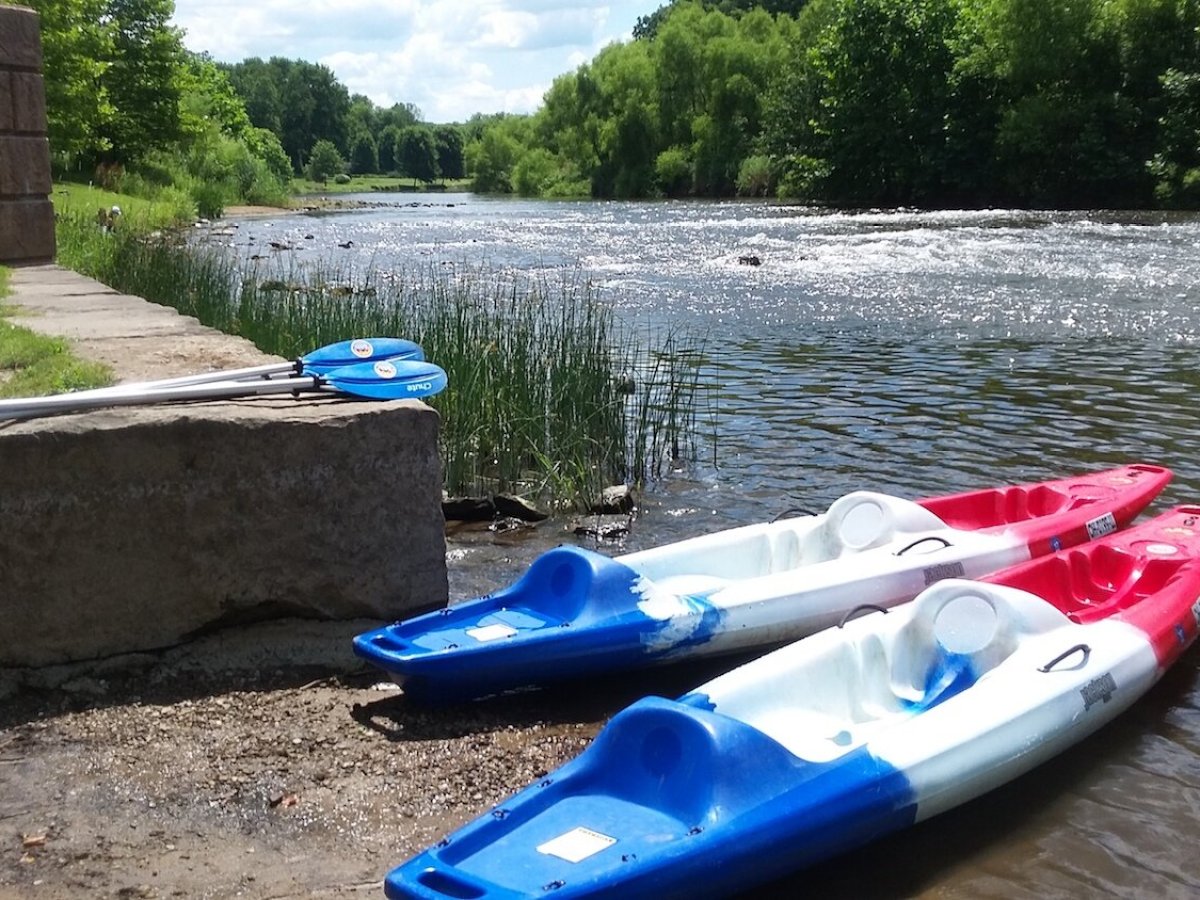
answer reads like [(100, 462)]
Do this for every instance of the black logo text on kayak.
[(1099, 527), (1098, 690), (945, 570)]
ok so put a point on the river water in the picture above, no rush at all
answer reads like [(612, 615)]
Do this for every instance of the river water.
[(910, 352)]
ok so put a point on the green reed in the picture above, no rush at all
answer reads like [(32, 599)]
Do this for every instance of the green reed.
[(549, 396)]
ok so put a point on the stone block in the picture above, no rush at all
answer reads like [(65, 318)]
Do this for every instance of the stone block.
[(135, 529), (28, 93), (24, 166), (26, 231), (20, 38), (8, 111)]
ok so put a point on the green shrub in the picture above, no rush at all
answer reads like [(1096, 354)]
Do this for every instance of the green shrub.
[(756, 177), (324, 162), (673, 172)]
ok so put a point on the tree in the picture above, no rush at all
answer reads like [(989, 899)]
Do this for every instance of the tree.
[(387, 149), (364, 154), (492, 157), (256, 84), (301, 102), (416, 153), (449, 141), (860, 116), (325, 161), (143, 79), (76, 52), (1176, 165), (207, 97)]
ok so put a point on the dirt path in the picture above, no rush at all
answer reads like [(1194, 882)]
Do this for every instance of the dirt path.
[(156, 784), (215, 772)]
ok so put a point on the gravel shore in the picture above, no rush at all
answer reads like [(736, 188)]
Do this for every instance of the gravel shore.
[(214, 771)]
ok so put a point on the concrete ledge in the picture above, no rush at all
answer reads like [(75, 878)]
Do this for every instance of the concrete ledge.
[(135, 529)]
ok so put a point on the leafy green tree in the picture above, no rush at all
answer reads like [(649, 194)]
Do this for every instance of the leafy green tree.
[(301, 102), (387, 149), (399, 115), (416, 153), (364, 154), (362, 116), (325, 161), (449, 142), (755, 177), (207, 97), (673, 172), (492, 157), (256, 84), (1065, 134), (874, 92), (265, 146), (77, 45), (1176, 165), (143, 79)]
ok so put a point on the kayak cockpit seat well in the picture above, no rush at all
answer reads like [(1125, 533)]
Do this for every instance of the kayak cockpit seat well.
[(856, 523), (996, 507), (832, 692), (1095, 581)]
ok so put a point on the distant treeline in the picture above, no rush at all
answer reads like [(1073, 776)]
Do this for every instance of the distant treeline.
[(128, 106), (1059, 103), (1063, 103)]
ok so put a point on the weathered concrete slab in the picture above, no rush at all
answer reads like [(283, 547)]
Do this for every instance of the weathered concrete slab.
[(137, 339), (134, 529)]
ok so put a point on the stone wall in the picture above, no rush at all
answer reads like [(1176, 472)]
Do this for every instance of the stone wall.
[(26, 214), (136, 529)]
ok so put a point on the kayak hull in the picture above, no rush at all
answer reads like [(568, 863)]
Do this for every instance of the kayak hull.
[(841, 737), (577, 613)]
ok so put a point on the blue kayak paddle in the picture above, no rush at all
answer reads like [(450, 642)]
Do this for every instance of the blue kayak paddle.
[(383, 379), (324, 359)]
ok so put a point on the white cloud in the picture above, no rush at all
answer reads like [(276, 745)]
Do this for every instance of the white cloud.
[(451, 58)]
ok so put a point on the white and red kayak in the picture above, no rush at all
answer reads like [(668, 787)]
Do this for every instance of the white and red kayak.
[(575, 612), (837, 739)]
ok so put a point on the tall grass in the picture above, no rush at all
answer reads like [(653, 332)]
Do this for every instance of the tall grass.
[(549, 397)]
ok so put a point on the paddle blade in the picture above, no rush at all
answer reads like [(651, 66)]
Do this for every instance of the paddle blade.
[(388, 379), (359, 350)]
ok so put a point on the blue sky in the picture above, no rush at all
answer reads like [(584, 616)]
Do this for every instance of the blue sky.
[(451, 58)]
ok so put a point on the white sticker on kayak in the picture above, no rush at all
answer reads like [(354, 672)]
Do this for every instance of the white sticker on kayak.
[(577, 845), (497, 632), (362, 349), (1098, 528)]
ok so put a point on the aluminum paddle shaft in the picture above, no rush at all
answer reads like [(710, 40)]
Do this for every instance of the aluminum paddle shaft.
[(381, 380)]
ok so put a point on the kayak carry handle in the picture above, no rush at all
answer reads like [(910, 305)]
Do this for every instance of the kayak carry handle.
[(862, 607), (929, 537), (434, 883), (1078, 648), (793, 511)]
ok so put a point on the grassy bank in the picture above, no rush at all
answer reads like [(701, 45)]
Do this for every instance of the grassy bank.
[(32, 364), (548, 397), (85, 201)]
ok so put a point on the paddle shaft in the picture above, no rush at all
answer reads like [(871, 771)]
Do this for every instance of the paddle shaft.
[(318, 362), (223, 390)]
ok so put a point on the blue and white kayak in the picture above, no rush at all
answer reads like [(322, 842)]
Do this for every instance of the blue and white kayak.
[(577, 613), (837, 739)]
